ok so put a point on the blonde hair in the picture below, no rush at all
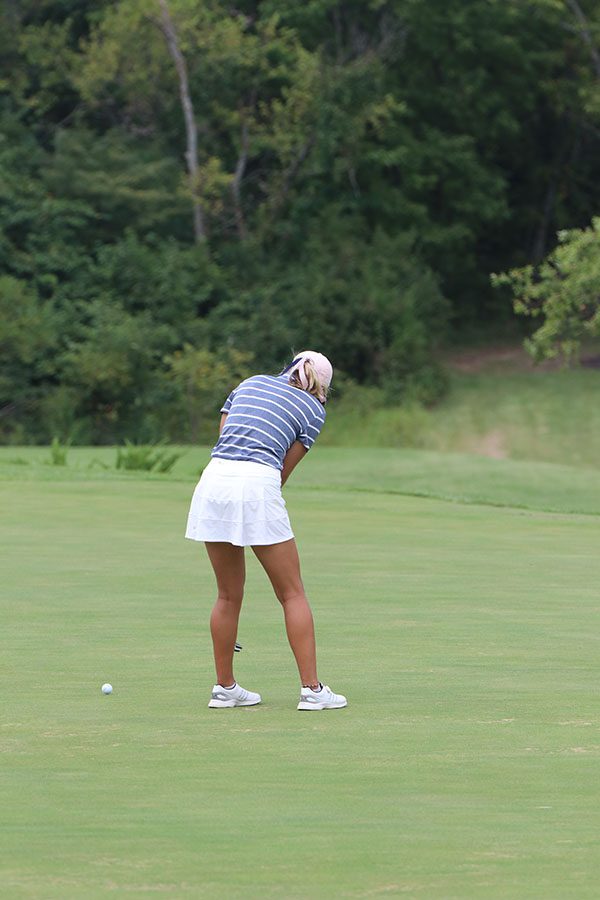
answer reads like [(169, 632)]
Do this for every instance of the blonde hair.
[(314, 384)]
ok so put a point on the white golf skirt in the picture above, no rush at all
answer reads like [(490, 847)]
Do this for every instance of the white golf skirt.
[(240, 503)]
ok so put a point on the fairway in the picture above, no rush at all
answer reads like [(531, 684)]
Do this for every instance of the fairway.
[(465, 635)]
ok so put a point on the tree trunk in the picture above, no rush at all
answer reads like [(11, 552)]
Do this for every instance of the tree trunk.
[(541, 238), (289, 175), (237, 181), (191, 154), (586, 34)]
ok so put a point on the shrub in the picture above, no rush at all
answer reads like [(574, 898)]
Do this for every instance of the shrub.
[(203, 379)]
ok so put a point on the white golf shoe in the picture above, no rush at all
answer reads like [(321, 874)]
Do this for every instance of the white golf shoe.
[(222, 698), (323, 699)]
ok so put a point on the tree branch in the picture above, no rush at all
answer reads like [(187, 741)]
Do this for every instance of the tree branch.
[(191, 155), (8, 409)]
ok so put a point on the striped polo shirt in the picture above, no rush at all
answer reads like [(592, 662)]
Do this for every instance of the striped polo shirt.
[(265, 415)]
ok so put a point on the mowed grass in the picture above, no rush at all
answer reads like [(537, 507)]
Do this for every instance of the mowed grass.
[(465, 636), (465, 478)]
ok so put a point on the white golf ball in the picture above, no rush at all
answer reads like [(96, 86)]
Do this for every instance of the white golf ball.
[(107, 688)]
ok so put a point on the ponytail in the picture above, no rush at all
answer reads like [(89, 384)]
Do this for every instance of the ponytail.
[(307, 379), (311, 372)]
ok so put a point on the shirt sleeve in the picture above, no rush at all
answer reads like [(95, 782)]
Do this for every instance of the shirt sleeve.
[(227, 405), (311, 429)]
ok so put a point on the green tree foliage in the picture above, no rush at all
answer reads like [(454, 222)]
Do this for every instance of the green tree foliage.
[(361, 296), (360, 167), (128, 183), (564, 291)]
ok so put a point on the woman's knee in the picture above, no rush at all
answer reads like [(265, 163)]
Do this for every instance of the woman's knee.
[(230, 597), (290, 596)]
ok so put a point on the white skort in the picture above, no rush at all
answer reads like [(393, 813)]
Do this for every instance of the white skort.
[(240, 503)]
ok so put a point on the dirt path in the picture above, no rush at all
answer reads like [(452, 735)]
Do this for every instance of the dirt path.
[(503, 359)]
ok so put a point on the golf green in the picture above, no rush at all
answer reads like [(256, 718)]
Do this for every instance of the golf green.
[(466, 638)]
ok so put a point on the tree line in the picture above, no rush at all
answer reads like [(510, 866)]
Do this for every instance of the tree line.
[(190, 189)]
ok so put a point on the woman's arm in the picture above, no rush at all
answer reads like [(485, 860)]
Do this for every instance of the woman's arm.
[(296, 452)]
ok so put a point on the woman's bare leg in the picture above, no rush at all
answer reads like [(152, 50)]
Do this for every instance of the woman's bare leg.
[(230, 571), (282, 565)]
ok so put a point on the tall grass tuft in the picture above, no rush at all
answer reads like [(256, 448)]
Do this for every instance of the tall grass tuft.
[(146, 457), (58, 452)]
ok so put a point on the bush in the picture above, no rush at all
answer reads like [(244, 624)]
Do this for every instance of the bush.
[(203, 380), (29, 336)]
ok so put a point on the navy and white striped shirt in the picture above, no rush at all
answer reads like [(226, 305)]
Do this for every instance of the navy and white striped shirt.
[(265, 415)]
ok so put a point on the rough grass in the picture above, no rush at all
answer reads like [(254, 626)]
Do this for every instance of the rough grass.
[(549, 416), (465, 636)]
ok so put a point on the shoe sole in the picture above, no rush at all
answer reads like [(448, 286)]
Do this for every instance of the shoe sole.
[(228, 704), (302, 705)]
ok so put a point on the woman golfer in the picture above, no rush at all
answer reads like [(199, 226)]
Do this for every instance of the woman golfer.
[(267, 425)]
